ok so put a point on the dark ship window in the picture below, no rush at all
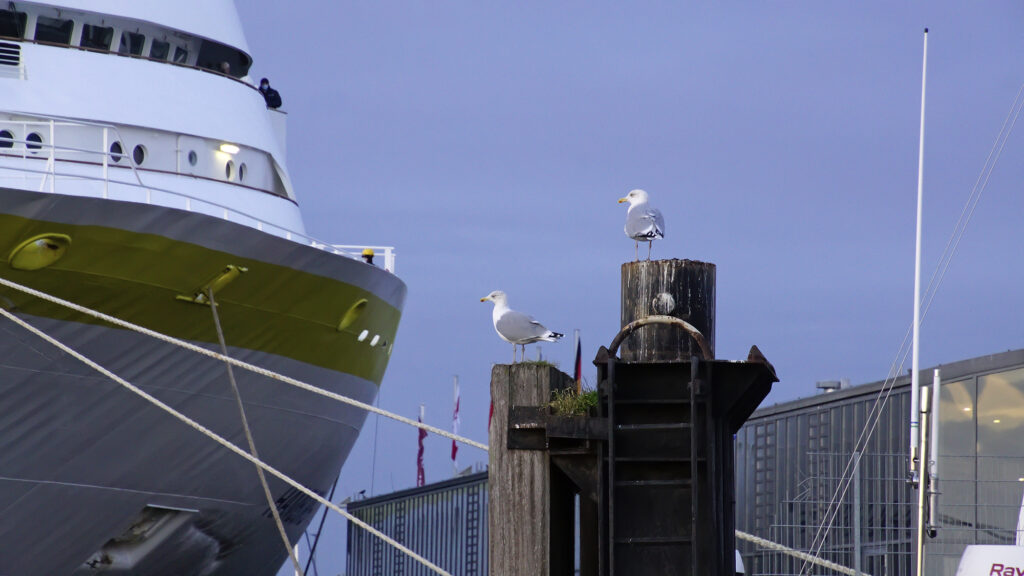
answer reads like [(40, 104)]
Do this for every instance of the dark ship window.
[(54, 30), (116, 152), (96, 37), (132, 43), (159, 50), (12, 24), (241, 171), (229, 170), (192, 158), (6, 139), (212, 55), (34, 141), (180, 55), (139, 154)]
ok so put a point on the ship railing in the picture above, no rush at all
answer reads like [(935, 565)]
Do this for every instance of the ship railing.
[(53, 154), (383, 254)]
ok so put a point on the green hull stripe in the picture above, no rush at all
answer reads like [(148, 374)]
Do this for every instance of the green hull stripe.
[(137, 277)]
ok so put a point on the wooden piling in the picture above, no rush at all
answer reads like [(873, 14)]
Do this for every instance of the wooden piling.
[(519, 508), (684, 289)]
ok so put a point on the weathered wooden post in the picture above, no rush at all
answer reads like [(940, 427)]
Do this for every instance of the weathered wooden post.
[(520, 507), (683, 289)]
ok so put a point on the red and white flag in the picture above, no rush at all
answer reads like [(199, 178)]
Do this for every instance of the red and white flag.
[(421, 477), (455, 428)]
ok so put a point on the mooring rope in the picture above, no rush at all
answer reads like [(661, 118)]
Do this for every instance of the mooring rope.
[(240, 364), (271, 505), (220, 440), (807, 558)]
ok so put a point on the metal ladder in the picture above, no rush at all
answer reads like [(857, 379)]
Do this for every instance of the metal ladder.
[(650, 470), (398, 557), (473, 531)]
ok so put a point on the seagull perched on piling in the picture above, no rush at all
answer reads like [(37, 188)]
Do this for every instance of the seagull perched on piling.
[(515, 327), (643, 223)]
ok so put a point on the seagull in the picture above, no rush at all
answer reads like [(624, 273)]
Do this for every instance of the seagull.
[(643, 223), (516, 327)]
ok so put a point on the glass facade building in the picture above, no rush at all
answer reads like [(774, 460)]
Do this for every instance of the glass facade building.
[(445, 522), (797, 472)]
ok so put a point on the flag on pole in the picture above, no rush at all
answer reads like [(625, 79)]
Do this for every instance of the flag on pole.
[(578, 376), (455, 428), (421, 477)]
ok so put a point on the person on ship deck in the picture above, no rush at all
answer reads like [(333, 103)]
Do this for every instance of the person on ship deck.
[(273, 97)]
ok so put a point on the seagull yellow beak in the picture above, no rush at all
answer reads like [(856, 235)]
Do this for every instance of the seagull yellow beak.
[(484, 299), (621, 200)]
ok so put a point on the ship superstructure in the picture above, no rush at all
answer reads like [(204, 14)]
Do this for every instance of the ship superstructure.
[(139, 170)]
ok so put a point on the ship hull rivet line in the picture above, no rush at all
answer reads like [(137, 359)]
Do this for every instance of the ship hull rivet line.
[(219, 439), (240, 364), (292, 553)]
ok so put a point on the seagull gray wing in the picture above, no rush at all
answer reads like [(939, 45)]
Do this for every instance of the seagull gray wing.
[(645, 223), (519, 328)]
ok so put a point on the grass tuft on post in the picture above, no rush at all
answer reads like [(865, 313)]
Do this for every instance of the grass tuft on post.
[(568, 402)]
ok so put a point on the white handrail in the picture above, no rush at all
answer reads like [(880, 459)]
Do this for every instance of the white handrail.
[(190, 202)]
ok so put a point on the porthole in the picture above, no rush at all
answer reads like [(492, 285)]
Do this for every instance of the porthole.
[(6, 139), (192, 158), (116, 152), (229, 169), (139, 154), (241, 171), (34, 141)]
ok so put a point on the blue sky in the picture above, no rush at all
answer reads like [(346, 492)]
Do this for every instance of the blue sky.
[(489, 142)]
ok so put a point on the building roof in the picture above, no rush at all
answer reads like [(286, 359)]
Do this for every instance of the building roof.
[(409, 492), (950, 372)]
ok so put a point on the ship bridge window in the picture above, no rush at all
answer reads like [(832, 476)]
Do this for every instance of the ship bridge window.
[(6, 139), (159, 50), (12, 24), (96, 37), (139, 154), (213, 55), (54, 30), (131, 43)]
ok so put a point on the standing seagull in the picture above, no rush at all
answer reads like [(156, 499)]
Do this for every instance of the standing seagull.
[(643, 223), (516, 327)]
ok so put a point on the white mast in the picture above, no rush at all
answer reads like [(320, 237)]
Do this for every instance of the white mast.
[(915, 364)]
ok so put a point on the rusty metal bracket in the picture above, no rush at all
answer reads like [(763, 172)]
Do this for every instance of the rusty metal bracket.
[(613, 348)]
